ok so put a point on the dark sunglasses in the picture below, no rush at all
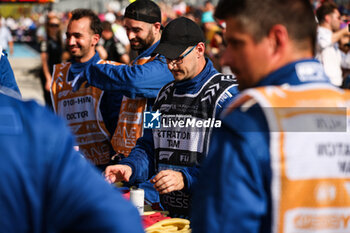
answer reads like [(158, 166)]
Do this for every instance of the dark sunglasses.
[(53, 25)]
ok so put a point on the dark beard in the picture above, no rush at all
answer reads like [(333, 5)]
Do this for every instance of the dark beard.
[(143, 44)]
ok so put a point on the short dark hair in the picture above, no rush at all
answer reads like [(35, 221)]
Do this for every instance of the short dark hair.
[(258, 17), (144, 10), (107, 26), (325, 9), (95, 23)]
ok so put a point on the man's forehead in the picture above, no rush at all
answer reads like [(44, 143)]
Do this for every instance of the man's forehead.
[(233, 26), (134, 23), (234, 23), (336, 12), (80, 25)]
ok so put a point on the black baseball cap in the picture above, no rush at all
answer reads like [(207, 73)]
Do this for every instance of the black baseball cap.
[(143, 10), (177, 36)]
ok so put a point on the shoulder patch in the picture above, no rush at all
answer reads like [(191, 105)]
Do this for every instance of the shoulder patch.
[(310, 71)]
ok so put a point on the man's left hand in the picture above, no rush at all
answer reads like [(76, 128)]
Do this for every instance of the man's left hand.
[(168, 181)]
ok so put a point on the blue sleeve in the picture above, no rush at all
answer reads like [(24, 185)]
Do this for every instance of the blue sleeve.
[(7, 78), (225, 99), (232, 193), (141, 158), (80, 200), (134, 81), (191, 175)]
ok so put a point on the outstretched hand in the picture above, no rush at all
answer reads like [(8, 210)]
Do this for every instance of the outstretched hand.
[(117, 173)]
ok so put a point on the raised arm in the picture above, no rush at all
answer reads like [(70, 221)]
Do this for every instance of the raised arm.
[(134, 81)]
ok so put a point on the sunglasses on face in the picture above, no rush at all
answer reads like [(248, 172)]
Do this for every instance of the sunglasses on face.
[(176, 61), (53, 25)]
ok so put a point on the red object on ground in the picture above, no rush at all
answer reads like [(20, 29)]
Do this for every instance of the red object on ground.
[(149, 220)]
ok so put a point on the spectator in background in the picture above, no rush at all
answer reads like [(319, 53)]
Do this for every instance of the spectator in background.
[(115, 49), (213, 35), (51, 50), (6, 40), (180, 7), (120, 32), (45, 185), (344, 46), (209, 7), (328, 36), (210, 26)]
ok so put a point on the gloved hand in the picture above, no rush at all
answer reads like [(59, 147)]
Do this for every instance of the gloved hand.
[(78, 81)]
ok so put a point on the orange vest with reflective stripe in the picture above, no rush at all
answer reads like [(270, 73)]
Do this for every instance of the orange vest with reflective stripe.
[(130, 121), (310, 155), (81, 110)]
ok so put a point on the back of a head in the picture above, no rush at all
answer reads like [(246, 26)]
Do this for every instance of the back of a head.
[(325, 9), (143, 10), (258, 17), (95, 23)]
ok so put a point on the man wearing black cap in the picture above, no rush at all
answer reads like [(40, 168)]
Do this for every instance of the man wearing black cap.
[(188, 107), (140, 82)]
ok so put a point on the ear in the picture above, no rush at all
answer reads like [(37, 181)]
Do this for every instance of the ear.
[(157, 26), (200, 50), (95, 39), (327, 18), (278, 39)]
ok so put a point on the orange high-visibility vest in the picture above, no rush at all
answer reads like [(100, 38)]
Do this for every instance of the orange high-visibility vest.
[(310, 155), (130, 121), (81, 110)]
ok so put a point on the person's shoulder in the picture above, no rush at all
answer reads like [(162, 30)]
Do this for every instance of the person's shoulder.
[(167, 87), (322, 31), (65, 64), (245, 117), (226, 81), (3, 56), (248, 129), (30, 114), (2, 53)]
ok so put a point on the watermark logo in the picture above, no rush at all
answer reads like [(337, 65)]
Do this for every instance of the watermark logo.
[(151, 120)]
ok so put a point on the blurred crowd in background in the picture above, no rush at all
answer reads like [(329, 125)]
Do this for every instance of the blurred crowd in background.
[(34, 27)]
